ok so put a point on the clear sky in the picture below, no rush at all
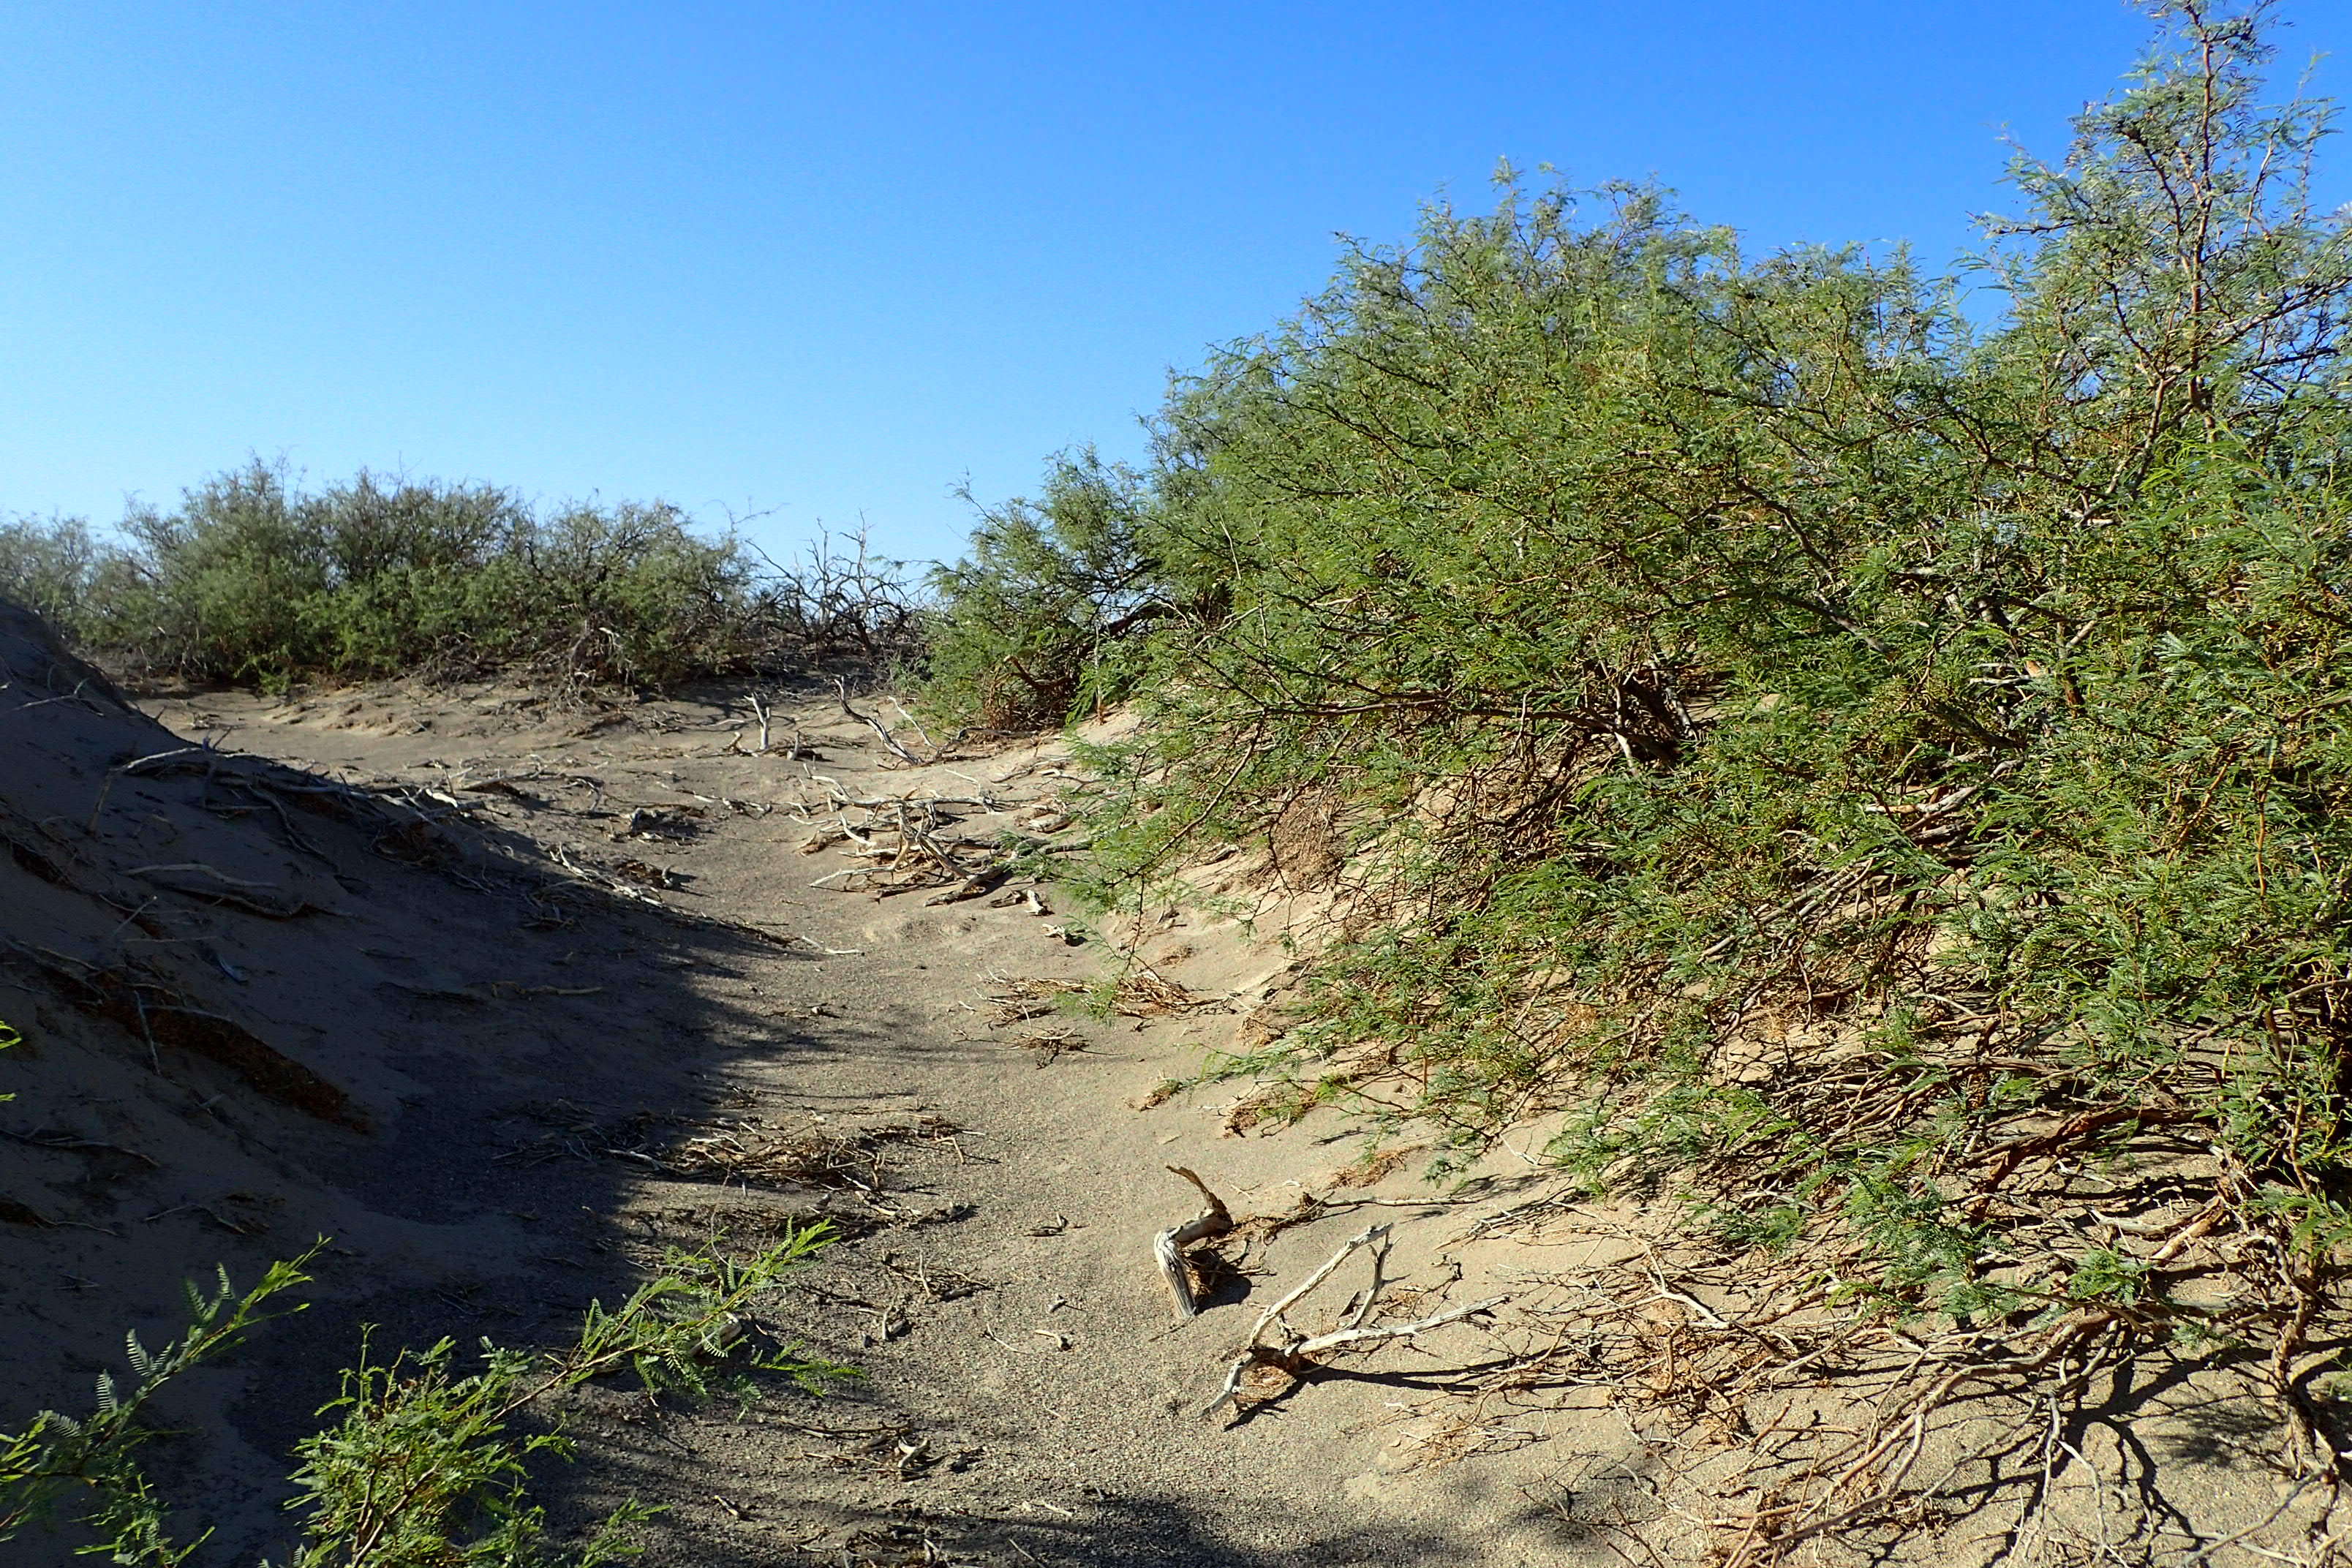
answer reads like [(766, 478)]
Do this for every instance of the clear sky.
[(826, 261)]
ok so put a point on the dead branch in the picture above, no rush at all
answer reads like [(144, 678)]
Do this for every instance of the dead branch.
[(1296, 1349), (226, 889), (1168, 1246), (880, 727), (1378, 1332), (1374, 1235), (200, 868), (839, 801), (971, 887)]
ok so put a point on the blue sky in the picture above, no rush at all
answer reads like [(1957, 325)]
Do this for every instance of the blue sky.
[(826, 261)]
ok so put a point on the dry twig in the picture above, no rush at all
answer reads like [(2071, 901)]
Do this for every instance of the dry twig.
[(1296, 1351)]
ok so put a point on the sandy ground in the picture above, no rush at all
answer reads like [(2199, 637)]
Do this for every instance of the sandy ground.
[(466, 1054), (507, 1016)]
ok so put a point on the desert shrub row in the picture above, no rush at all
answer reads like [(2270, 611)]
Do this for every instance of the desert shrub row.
[(253, 578), (1848, 750)]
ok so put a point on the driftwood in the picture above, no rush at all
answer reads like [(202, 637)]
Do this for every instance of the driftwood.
[(1295, 1351), (1168, 1246), (971, 887), (876, 725)]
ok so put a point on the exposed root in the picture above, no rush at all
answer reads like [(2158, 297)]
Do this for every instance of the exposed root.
[(1791, 1424), (1292, 1354), (161, 1018)]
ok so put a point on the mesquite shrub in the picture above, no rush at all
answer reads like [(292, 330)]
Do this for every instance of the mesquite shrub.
[(252, 578), (1806, 734)]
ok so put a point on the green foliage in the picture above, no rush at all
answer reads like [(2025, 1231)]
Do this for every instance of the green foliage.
[(1030, 622), (2104, 1274), (1750, 696), (252, 579), (97, 1457), (427, 1464), (54, 568), (424, 1469)]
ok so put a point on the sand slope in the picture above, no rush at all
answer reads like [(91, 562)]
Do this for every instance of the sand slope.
[(505, 999)]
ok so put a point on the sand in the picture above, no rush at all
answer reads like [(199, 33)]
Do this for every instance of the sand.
[(456, 1059), (462, 979)]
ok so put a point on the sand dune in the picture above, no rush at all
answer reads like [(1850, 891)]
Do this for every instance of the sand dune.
[(505, 998)]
